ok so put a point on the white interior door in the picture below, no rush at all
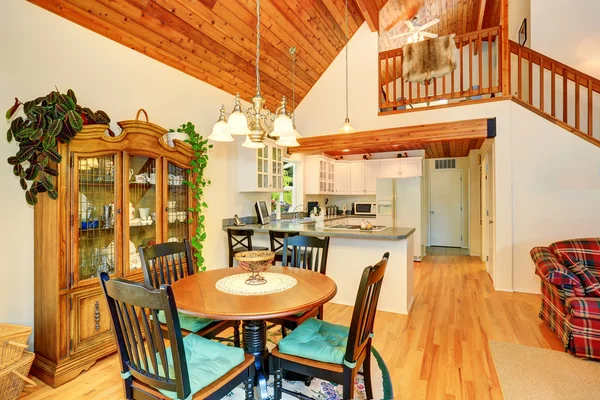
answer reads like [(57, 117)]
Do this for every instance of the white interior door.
[(445, 220)]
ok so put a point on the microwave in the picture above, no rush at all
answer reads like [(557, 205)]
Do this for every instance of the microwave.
[(365, 208)]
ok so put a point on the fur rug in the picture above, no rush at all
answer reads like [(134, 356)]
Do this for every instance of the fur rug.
[(429, 59)]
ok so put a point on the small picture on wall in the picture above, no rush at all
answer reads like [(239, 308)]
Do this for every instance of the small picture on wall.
[(523, 32)]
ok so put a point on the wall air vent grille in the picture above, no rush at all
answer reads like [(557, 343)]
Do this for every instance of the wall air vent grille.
[(445, 164)]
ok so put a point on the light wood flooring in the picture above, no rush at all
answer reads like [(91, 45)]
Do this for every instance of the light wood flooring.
[(440, 351), (446, 251)]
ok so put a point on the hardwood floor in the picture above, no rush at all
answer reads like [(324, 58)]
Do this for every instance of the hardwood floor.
[(446, 251), (440, 352)]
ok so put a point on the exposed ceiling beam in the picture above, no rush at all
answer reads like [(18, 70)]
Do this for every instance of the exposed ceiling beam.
[(408, 135), (370, 11)]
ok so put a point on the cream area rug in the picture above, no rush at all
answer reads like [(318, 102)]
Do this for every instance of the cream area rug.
[(531, 373)]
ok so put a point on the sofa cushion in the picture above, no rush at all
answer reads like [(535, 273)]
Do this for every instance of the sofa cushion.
[(317, 340), (585, 251), (188, 322), (590, 283), (206, 360), (552, 271), (584, 307)]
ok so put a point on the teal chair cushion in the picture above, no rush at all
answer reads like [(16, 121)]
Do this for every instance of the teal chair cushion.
[(187, 322), (206, 360), (317, 340)]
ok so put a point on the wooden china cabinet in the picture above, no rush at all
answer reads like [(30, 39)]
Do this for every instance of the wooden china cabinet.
[(115, 194)]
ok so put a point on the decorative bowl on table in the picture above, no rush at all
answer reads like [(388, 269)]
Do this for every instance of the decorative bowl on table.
[(255, 261)]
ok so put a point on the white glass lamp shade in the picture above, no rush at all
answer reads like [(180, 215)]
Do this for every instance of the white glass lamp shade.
[(252, 145), (283, 126), (220, 133), (347, 128), (297, 134), (287, 141), (238, 124)]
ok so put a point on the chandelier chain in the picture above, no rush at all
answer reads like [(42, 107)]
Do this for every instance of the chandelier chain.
[(346, 59), (294, 88), (257, 46)]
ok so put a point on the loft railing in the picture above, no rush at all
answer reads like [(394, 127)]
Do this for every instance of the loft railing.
[(554, 88), (478, 73)]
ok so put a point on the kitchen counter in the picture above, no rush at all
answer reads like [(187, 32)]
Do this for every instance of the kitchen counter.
[(311, 230)]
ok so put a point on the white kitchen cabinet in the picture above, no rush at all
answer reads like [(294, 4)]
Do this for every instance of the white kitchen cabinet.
[(260, 170), (342, 182), (319, 175), (371, 173), (389, 168), (411, 167), (357, 177)]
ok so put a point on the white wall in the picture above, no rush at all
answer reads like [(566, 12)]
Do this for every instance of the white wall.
[(568, 31), (517, 10), (47, 51)]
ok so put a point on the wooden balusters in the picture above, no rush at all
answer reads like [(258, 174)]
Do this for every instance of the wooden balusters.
[(520, 75), (490, 60), (461, 69), (395, 77), (542, 73), (565, 96), (530, 78), (553, 88), (590, 107), (577, 101)]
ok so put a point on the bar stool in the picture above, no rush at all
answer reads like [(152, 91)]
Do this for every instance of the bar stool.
[(240, 240), (277, 238)]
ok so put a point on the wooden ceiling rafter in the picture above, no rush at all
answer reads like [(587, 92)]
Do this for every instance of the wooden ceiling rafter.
[(214, 40), (442, 139), (370, 12)]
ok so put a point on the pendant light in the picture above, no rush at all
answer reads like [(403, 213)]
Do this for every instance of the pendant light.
[(347, 128), (257, 121), (290, 140)]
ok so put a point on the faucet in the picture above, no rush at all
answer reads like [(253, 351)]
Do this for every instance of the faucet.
[(296, 213)]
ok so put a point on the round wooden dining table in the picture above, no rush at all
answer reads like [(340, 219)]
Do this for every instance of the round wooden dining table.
[(197, 295)]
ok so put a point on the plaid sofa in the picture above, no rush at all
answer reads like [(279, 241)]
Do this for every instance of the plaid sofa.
[(570, 305)]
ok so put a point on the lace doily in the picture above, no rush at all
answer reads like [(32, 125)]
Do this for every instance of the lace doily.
[(236, 284)]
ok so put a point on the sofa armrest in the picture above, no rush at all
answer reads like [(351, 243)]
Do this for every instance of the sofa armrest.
[(552, 271), (584, 307)]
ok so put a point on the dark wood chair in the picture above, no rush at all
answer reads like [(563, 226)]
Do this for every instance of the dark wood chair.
[(358, 347), (166, 263), (240, 240), (146, 368), (277, 238), (305, 252)]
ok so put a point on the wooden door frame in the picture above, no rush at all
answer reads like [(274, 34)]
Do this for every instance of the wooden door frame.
[(462, 203), (488, 158)]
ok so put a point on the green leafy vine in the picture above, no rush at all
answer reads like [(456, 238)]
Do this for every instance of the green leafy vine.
[(197, 182)]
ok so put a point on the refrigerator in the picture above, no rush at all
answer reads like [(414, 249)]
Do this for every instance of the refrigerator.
[(400, 204)]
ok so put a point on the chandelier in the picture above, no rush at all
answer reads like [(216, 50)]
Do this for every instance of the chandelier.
[(256, 122)]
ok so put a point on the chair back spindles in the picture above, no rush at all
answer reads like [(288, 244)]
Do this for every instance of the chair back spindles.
[(166, 263), (277, 240), (365, 308), (134, 311), (306, 252)]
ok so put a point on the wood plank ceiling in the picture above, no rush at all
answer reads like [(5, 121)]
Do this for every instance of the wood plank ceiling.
[(451, 139), (456, 16), (214, 40)]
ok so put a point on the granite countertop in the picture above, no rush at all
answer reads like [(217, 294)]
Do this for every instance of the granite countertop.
[(311, 230)]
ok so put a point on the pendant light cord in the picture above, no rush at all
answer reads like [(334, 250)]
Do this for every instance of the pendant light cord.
[(258, 46), (346, 59), (294, 87)]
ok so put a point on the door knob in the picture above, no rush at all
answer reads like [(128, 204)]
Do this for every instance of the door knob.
[(491, 222), (432, 212)]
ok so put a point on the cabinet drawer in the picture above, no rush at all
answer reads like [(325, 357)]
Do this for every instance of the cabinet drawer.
[(90, 319)]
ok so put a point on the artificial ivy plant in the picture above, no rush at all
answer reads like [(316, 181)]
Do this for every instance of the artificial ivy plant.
[(197, 182), (49, 120)]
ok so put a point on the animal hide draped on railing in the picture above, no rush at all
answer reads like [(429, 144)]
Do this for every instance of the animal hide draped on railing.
[(433, 58)]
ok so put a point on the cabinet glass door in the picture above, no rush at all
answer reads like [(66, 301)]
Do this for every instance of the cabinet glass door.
[(140, 211), (177, 204), (277, 167), (262, 164), (94, 217)]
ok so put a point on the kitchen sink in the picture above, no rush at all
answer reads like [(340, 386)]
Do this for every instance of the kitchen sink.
[(305, 220), (341, 227)]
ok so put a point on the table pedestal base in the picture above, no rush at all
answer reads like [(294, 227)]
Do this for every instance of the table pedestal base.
[(254, 333)]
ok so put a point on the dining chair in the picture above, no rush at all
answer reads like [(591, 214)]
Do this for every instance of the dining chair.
[(193, 366), (334, 352), (240, 240), (166, 263), (276, 239), (305, 252)]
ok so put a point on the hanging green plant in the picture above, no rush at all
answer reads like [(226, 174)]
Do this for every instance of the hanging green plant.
[(197, 182), (49, 120)]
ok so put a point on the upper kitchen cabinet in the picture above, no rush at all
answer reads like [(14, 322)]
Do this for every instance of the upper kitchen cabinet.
[(319, 175), (342, 178), (260, 170), (357, 175), (389, 168), (401, 167), (371, 174)]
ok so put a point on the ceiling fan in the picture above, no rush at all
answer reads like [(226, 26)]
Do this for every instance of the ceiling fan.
[(417, 32)]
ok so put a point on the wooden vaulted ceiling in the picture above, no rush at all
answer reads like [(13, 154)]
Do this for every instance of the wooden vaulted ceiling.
[(214, 40), (456, 16)]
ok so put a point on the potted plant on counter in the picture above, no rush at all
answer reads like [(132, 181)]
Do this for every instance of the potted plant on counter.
[(47, 121)]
